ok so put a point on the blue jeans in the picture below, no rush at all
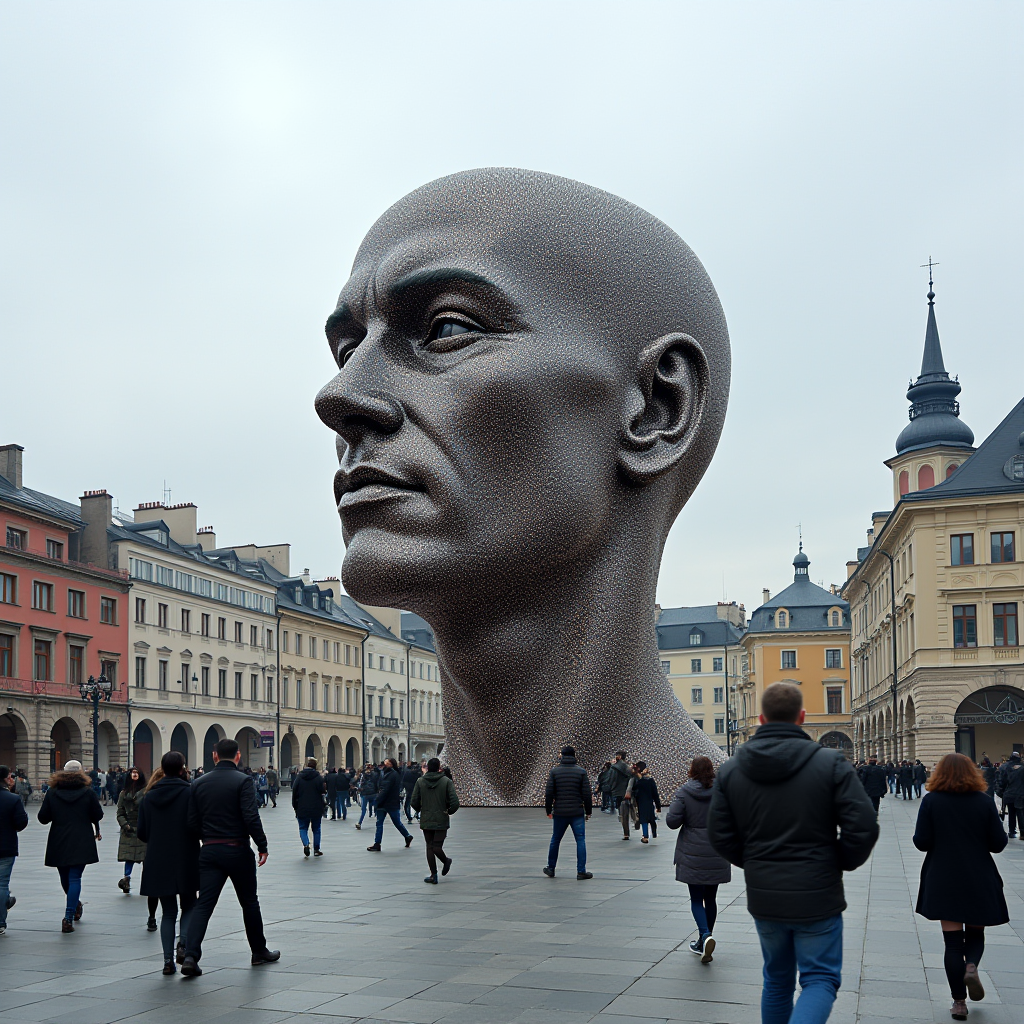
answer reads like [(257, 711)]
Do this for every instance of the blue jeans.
[(578, 826), (704, 907), (339, 806), (71, 883), (6, 867), (395, 814), (304, 824), (368, 802), (816, 950)]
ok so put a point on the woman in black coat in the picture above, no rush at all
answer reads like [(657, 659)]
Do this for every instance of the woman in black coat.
[(171, 869), (696, 862), (959, 830), (647, 799), (73, 812)]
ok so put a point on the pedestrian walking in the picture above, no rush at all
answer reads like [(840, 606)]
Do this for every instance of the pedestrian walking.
[(434, 799), (389, 805), (627, 805), (262, 788), (73, 813), (410, 776), (22, 787), (273, 785), (331, 784), (794, 816), (308, 791), (647, 801), (873, 778), (988, 772), (958, 829), (697, 863), (101, 786), (906, 776), (170, 870), (222, 812), (920, 777), (620, 779), (130, 848), (1010, 789), (13, 819), (567, 802), (369, 785), (604, 784)]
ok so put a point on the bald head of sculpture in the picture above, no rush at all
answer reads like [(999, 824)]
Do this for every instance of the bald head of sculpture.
[(532, 379)]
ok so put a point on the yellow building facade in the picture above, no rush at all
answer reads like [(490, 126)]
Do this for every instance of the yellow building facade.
[(939, 586), (801, 636)]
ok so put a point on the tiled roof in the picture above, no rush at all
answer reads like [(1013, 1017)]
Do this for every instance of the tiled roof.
[(40, 503)]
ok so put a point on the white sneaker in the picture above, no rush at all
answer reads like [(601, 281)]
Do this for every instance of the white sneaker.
[(709, 948)]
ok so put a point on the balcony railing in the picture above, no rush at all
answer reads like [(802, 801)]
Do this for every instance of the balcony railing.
[(117, 574), (49, 688)]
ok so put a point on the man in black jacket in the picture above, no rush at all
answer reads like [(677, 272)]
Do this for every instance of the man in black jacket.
[(410, 776), (308, 803), (1010, 789), (13, 818), (872, 777), (389, 804), (567, 801), (907, 780), (222, 812), (793, 815)]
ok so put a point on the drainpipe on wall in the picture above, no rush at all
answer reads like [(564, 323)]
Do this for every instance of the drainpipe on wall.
[(408, 708), (277, 738), (362, 690)]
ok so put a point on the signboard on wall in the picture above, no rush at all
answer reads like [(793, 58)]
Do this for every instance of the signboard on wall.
[(266, 738)]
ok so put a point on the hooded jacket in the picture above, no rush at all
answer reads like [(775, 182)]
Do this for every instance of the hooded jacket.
[(695, 859), (73, 812), (171, 866), (1010, 782), (794, 816), (129, 846), (619, 778), (434, 798), (308, 794), (567, 794), (872, 778), (389, 796), (13, 818)]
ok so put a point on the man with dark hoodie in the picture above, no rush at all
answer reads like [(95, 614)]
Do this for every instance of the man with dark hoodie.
[(410, 776), (308, 803), (13, 819), (435, 800), (568, 802), (389, 804), (872, 778), (794, 816)]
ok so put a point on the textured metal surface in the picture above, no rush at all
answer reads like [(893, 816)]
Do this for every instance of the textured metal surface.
[(514, 484)]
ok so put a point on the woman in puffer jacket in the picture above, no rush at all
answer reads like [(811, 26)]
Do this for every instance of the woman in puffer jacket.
[(696, 862)]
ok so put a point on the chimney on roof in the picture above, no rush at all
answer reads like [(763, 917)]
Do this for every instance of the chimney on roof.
[(97, 512), (206, 538), (657, 614), (181, 521), (766, 596), (10, 464)]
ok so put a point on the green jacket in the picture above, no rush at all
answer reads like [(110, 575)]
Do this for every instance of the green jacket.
[(435, 798)]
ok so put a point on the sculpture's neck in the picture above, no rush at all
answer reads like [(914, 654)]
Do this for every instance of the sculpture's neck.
[(579, 666)]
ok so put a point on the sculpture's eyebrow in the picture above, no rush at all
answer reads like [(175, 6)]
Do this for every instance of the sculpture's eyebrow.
[(437, 279), (343, 323)]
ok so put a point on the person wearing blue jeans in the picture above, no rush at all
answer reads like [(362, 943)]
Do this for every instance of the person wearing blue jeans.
[(568, 803), (794, 816), (389, 804), (816, 948), (13, 818)]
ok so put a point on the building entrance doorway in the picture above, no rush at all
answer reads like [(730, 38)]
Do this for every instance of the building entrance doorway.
[(990, 723)]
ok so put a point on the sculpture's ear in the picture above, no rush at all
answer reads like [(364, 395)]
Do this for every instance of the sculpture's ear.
[(664, 409)]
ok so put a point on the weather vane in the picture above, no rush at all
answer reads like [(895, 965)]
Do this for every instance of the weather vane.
[(929, 265)]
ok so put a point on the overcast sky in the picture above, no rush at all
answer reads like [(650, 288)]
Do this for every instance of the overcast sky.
[(183, 187)]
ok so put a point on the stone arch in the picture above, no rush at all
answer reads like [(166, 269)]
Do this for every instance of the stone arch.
[(146, 746), (13, 740), (836, 740), (401, 752), (213, 736), (334, 752), (248, 740), (375, 755), (351, 754), (109, 746), (314, 748), (289, 753), (66, 737), (925, 477), (990, 722), (183, 739)]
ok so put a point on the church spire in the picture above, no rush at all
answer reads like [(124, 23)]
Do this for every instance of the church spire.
[(934, 410)]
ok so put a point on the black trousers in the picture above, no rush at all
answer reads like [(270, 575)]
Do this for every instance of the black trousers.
[(1014, 819), (434, 838), (408, 804), (217, 863), (874, 802)]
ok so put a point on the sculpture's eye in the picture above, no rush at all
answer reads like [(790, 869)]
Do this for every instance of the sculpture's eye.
[(346, 354), (445, 327)]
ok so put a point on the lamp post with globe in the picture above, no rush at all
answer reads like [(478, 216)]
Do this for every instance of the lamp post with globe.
[(94, 691)]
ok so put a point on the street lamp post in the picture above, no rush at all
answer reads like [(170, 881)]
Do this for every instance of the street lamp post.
[(94, 691)]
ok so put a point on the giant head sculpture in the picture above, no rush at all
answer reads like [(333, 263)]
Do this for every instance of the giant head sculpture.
[(532, 379)]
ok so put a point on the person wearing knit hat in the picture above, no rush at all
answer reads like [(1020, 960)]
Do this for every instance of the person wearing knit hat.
[(73, 812)]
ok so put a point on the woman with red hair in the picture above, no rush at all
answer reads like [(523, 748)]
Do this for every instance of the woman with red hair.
[(959, 830)]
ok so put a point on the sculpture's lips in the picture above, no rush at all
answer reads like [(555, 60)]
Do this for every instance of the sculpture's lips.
[(365, 484)]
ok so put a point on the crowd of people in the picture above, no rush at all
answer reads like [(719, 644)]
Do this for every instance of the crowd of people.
[(793, 815)]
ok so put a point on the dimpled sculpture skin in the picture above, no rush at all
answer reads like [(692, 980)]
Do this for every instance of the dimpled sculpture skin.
[(533, 377)]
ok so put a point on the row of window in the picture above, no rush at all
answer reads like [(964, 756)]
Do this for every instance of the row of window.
[(783, 619), (1002, 548), (18, 539), (1004, 625), (184, 623), (719, 725), (43, 661), (191, 683), (140, 569), (44, 599), (308, 647), (697, 694)]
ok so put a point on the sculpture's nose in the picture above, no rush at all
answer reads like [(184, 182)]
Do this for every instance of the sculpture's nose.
[(357, 403)]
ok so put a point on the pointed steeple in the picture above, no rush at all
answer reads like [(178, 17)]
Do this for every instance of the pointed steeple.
[(934, 410)]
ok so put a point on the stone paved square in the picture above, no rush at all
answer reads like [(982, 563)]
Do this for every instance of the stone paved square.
[(364, 939)]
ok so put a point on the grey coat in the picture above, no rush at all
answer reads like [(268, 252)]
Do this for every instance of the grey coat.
[(695, 860)]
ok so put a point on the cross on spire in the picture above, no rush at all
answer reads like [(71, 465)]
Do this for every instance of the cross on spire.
[(931, 288)]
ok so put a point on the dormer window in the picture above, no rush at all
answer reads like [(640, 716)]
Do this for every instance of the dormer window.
[(835, 619), (696, 638), (328, 602), (298, 595), (782, 620)]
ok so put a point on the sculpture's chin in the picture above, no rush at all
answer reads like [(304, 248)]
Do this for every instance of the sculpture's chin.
[(387, 570)]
